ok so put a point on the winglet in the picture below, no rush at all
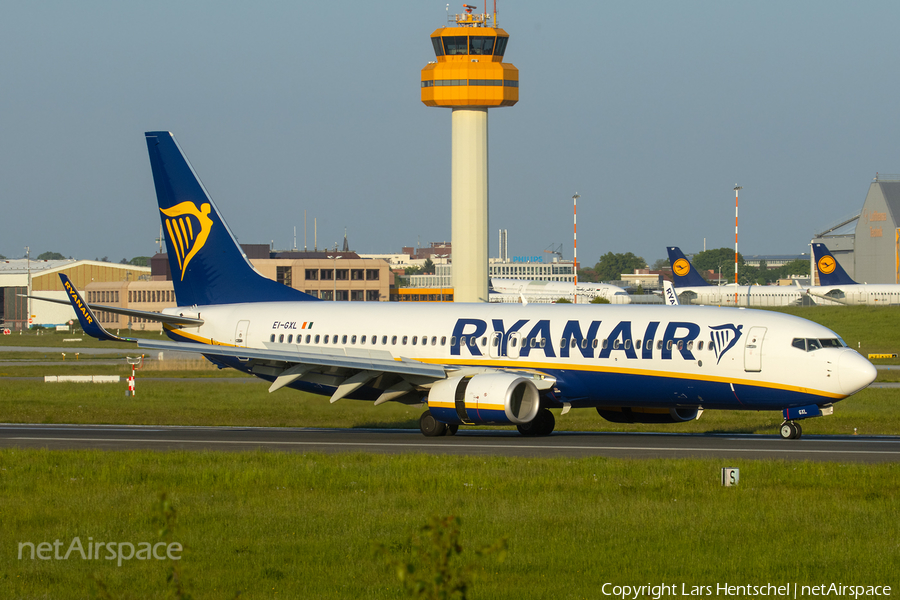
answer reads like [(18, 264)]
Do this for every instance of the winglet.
[(830, 270), (86, 317), (670, 295), (683, 272)]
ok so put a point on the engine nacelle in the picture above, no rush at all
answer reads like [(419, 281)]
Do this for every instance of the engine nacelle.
[(498, 398), (626, 414)]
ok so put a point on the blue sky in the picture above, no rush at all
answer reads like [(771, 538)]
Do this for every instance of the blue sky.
[(652, 111)]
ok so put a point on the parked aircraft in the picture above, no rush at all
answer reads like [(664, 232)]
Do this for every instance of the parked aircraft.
[(836, 286), (478, 363), (512, 290), (693, 289)]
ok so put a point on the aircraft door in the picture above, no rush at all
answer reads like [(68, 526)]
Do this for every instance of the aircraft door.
[(512, 344), (240, 333), (494, 348), (753, 349)]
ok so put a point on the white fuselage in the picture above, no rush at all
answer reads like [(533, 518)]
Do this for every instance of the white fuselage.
[(753, 296), (512, 290), (598, 354), (876, 294)]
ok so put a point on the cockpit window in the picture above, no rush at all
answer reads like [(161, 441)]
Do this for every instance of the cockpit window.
[(810, 344)]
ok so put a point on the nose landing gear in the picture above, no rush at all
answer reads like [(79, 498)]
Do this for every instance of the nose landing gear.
[(791, 430)]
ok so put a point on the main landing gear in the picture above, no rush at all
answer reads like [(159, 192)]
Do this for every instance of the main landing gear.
[(431, 427), (542, 424), (791, 430)]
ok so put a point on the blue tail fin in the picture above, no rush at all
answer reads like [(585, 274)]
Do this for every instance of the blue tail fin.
[(830, 270), (208, 266), (683, 272)]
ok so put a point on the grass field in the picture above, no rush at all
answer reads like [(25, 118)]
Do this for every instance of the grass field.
[(304, 525)]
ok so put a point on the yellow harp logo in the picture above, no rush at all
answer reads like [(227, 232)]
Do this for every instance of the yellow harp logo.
[(681, 267), (188, 229), (826, 264)]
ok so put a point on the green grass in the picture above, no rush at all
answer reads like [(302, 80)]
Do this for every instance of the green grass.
[(303, 525)]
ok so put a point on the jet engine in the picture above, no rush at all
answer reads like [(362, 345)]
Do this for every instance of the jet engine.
[(626, 414), (498, 398)]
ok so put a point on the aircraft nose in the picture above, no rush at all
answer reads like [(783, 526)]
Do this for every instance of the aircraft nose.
[(854, 372)]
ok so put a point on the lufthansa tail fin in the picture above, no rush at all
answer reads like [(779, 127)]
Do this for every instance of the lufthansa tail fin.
[(683, 272), (830, 270), (207, 264)]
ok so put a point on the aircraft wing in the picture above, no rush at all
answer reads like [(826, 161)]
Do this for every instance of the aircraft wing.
[(345, 369), (129, 312), (831, 295)]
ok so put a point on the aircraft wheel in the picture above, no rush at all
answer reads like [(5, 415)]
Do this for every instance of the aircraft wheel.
[(451, 429), (787, 430), (799, 431), (430, 426), (542, 424)]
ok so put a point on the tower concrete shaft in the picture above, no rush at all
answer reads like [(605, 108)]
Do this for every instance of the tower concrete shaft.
[(469, 204)]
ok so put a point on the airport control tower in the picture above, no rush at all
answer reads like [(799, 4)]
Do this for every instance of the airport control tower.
[(470, 77)]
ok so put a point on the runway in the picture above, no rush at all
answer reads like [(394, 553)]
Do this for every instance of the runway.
[(466, 442)]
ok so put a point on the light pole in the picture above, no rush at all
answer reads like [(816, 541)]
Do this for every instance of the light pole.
[(737, 188), (28, 300), (334, 277), (575, 244)]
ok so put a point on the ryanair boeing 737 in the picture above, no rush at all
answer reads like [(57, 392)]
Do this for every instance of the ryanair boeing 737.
[(478, 364)]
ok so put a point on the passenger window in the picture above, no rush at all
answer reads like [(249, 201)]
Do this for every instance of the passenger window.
[(690, 344), (384, 340), (325, 339), (495, 341), (563, 342), (405, 339), (513, 342), (669, 345), (443, 340), (353, 339), (452, 340), (394, 340), (362, 340), (628, 344), (317, 339), (308, 336), (659, 345), (415, 339), (434, 340), (281, 338), (605, 343), (472, 341), (272, 339), (595, 343), (462, 340), (344, 340), (290, 338), (680, 344), (584, 343), (616, 345), (543, 342), (484, 341), (574, 343), (700, 345), (637, 345)]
